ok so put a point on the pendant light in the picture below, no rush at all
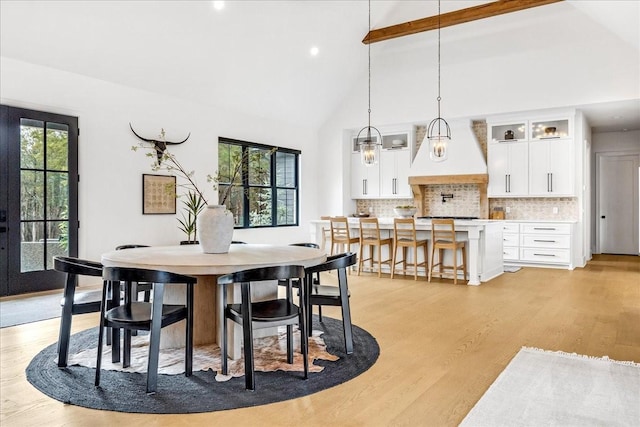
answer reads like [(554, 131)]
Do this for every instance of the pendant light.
[(370, 143), (438, 131)]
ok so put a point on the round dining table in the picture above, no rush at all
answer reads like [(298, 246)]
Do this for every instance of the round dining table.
[(190, 260)]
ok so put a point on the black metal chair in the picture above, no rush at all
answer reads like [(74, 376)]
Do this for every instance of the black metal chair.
[(140, 287), (320, 295), (147, 316), (76, 303), (253, 315)]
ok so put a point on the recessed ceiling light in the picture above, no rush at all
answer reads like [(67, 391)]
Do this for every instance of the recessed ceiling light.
[(218, 5), (314, 51)]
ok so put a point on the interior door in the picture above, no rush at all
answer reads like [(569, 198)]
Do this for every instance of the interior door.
[(617, 198), (38, 197)]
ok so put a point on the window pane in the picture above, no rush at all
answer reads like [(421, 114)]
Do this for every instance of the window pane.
[(57, 241), (286, 207), (31, 144), (235, 203), (57, 147), (229, 157), (32, 246), (57, 195), (259, 166), (260, 207), (285, 169), (31, 195)]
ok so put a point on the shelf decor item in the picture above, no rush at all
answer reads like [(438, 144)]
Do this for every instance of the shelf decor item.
[(509, 134)]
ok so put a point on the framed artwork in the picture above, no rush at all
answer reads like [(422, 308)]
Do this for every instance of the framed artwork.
[(158, 194)]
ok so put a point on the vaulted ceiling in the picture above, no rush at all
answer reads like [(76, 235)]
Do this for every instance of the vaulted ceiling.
[(253, 56)]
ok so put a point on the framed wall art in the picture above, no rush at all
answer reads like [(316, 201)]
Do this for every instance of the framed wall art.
[(158, 194)]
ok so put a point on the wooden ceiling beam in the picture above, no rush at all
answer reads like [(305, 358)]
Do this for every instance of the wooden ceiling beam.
[(455, 17)]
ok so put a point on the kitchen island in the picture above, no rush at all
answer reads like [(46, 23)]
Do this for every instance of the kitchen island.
[(484, 243)]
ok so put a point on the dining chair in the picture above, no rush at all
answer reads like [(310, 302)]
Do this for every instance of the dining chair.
[(77, 302), (443, 237), (140, 287), (405, 238), (326, 232), (334, 295), (370, 239), (147, 316), (270, 313)]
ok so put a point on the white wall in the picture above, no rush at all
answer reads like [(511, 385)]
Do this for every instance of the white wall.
[(110, 191)]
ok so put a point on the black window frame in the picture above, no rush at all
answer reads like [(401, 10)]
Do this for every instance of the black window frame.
[(273, 182)]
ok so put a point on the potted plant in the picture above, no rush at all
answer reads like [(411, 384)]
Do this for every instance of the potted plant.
[(193, 205)]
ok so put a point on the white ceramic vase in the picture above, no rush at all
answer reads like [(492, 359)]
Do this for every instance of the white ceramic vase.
[(215, 229)]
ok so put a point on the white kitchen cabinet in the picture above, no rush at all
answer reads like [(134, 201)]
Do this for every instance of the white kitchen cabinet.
[(551, 170), (394, 173), (546, 243), (510, 242), (365, 180), (508, 164)]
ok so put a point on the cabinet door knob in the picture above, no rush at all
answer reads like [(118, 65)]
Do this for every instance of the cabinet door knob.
[(603, 217)]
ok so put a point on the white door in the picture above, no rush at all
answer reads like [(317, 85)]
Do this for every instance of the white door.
[(617, 203)]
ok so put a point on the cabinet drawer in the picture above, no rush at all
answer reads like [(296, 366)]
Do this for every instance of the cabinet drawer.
[(545, 228), (510, 228), (510, 239), (510, 253), (560, 241), (545, 255)]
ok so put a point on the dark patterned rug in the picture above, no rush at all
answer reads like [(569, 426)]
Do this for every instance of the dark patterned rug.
[(177, 394)]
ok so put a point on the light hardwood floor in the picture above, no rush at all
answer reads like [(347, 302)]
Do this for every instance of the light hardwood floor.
[(441, 347)]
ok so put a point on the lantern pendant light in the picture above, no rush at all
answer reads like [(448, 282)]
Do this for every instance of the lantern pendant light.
[(438, 131), (371, 140)]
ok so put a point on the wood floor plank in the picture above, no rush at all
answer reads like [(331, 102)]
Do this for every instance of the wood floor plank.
[(441, 346)]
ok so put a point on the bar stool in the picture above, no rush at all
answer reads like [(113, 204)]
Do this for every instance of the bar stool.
[(404, 236), (443, 237), (340, 235), (370, 238), (326, 233)]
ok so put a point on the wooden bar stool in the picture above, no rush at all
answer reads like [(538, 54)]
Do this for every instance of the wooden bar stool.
[(340, 235), (443, 237), (404, 236), (370, 238)]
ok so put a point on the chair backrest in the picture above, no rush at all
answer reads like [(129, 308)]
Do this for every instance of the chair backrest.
[(126, 274), (334, 262), (278, 272), (443, 229), (369, 229), (306, 245), (404, 230), (131, 246), (339, 228), (77, 266)]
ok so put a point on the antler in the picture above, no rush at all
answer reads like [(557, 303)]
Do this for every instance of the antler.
[(159, 145)]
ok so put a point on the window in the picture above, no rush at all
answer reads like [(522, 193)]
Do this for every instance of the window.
[(258, 183)]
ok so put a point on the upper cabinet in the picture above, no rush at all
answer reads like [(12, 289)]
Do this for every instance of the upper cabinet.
[(389, 178), (539, 152), (509, 132)]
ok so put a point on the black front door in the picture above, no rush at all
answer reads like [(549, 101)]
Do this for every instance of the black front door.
[(38, 197)]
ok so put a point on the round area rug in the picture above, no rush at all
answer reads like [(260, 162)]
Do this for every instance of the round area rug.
[(177, 394)]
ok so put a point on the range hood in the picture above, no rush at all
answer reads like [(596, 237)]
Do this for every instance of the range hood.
[(465, 165)]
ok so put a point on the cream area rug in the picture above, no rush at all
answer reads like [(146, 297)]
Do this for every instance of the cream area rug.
[(546, 388), (270, 354)]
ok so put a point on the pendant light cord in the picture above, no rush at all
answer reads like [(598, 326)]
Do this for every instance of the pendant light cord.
[(439, 98), (369, 59)]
